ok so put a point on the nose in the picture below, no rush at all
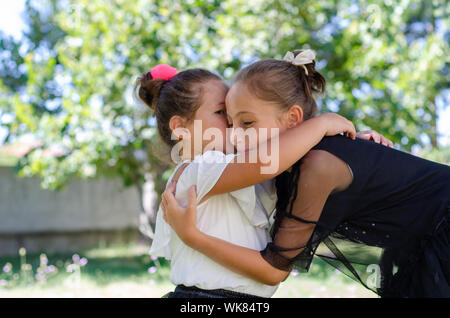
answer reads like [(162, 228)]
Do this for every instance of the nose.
[(235, 137), (243, 139)]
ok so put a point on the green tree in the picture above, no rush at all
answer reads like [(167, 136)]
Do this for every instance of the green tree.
[(385, 63), (383, 60)]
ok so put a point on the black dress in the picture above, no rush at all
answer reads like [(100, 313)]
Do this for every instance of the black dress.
[(394, 215)]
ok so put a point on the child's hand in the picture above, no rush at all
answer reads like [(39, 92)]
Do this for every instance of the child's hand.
[(182, 220), (335, 124), (376, 137)]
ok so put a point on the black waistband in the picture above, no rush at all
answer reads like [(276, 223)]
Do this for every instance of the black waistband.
[(214, 292)]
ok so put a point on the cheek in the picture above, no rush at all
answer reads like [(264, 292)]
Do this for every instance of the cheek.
[(272, 128), (213, 122), (270, 124), (216, 124), (282, 123), (221, 123)]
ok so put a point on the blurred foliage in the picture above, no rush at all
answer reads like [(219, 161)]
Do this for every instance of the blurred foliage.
[(69, 80), (441, 155)]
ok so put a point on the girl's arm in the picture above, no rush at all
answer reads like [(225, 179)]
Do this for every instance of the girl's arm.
[(241, 260), (293, 145), (321, 174)]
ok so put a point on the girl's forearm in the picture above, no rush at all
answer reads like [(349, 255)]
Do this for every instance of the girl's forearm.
[(239, 259), (293, 144)]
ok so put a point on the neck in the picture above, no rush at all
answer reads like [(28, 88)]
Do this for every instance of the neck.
[(189, 155)]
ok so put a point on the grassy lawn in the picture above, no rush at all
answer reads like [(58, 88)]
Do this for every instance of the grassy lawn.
[(128, 271)]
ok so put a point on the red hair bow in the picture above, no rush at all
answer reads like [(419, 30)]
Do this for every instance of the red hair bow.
[(163, 71)]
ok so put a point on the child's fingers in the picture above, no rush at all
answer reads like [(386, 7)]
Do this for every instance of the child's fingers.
[(371, 135), (387, 142), (164, 201), (169, 197), (351, 130), (163, 209), (363, 136), (163, 206), (171, 187), (192, 197), (376, 137)]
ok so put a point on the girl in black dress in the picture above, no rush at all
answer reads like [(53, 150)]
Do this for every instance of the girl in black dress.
[(342, 191)]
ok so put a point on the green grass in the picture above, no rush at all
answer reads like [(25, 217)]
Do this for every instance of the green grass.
[(124, 272)]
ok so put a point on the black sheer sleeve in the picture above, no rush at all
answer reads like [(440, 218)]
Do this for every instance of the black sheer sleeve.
[(301, 230), (297, 231)]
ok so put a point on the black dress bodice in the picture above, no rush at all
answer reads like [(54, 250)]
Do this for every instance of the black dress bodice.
[(394, 196), (398, 203)]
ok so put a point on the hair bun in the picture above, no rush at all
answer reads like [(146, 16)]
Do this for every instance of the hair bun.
[(148, 76), (316, 82), (148, 89)]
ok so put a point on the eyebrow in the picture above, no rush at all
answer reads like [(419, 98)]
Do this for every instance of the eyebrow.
[(241, 113), (244, 112)]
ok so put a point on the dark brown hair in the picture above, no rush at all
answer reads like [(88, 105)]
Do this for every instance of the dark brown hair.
[(284, 83), (181, 95)]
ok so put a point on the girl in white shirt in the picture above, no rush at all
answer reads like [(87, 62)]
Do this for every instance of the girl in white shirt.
[(228, 206)]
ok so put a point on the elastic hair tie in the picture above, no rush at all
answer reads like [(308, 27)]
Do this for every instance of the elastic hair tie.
[(303, 58), (162, 71)]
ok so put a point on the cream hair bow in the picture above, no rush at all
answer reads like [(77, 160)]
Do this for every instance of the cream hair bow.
[(302, 58)]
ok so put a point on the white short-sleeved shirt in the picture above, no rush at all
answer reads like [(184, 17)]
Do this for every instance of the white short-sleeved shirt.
[(240, 217)]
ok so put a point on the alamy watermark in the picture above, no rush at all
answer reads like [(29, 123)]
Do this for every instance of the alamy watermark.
[(374, 279)]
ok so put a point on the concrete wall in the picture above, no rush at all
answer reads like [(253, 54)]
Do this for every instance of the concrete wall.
[(79, 216)]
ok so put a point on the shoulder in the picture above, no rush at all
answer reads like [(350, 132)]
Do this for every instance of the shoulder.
[(325, 168), (319, 161), (205, 171)]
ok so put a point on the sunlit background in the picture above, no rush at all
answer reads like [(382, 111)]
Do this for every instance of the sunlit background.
[(82, 167)]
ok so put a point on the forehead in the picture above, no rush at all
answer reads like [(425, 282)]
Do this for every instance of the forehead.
[(239, 98), (237, 90), (241, 102), (214, 85), (214, 90)]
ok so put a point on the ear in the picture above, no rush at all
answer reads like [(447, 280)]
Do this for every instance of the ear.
[(176, 122), (294, 116)]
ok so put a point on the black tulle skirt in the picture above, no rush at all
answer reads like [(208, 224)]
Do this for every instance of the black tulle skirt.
[(423, 270)]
